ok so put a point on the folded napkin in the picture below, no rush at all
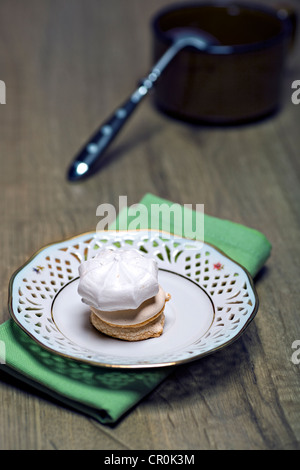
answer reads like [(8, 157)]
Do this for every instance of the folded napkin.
[(103, 393)]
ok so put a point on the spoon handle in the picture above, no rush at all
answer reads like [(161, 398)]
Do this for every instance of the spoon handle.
[(94, 150)]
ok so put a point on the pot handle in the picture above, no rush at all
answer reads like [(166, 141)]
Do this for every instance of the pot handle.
[(287, 13)]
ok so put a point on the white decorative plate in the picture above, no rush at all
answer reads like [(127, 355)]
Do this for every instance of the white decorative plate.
[(212, 300)]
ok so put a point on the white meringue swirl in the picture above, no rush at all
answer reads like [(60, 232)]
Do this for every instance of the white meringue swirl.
[(117, 279)]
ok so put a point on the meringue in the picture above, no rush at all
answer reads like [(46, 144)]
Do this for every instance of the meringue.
[(118, 279)]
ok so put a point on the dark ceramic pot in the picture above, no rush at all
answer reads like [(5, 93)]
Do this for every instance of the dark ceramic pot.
[(237, 80)]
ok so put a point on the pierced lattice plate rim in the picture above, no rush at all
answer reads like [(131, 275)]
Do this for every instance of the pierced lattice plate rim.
[(213, 300)]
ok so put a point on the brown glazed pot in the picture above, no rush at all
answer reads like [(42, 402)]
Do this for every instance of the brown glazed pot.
[(236, 81)]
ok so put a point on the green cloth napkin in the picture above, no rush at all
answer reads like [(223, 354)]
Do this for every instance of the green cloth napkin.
[(107, 394)]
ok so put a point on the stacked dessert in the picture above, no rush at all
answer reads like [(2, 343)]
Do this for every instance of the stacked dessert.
[(121, 288)]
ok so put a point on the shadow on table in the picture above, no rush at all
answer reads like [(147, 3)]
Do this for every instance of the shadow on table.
[(205, 377)]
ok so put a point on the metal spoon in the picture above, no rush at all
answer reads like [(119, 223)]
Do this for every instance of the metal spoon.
[(93, 151)]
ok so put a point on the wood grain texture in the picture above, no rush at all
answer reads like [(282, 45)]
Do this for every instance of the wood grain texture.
[(66, 66)]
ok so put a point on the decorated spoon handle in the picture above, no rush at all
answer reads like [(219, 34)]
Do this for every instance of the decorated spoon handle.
[(93, 151)]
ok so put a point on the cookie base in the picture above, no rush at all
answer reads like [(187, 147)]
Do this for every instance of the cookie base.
[(152, 329)]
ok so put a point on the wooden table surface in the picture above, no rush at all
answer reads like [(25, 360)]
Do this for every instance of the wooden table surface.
[(67, 65)]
